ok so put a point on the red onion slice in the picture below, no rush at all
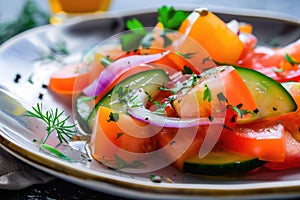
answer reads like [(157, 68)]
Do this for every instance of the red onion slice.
[(115, 70), (147, 116)]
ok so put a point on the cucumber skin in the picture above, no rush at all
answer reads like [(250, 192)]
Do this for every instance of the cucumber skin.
[(87, 105), (238, 167)]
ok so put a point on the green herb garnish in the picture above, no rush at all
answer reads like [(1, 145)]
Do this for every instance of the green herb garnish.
[(119, 135), (56, 125), (56, 152), (222, 98), (186, 55), (105, 61), (171, 18), (31, 16), (139, 36), (55, 52), (156, 178), (113, 117), (187, 70), (122, 93), (160, 107), (241, 112), (291, 60), (136, 36), (207, 95), (209, 59), (182, 86)]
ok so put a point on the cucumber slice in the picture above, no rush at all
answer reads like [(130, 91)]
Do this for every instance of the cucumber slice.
[(221, 163), (84, 107), (271, 97), (149, 81)]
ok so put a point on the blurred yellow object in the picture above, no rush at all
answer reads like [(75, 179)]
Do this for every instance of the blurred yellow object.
[(245, 28), (10, 105), (65, 9)]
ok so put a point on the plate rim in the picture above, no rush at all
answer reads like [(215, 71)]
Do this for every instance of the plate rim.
[(11, 145), (148, 190)]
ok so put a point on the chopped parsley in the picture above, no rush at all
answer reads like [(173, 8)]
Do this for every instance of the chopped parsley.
[(207, 59), (291, 60), (123, 94), (113, 117), (119, 135), (187, 70), (186, 55), (242, 112), (156, 178), (221, 97), (149, 97), (160, 107), (182, 87), (207, 95)]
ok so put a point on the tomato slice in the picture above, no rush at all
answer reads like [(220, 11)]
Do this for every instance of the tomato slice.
[(166, 136), (230, 84), (116, 133), (262, 140), (74, 78), (273, 62), (249, 41), (292, 159), (259, 139)]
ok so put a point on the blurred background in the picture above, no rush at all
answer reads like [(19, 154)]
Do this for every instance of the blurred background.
[(8, 9), (19, 15)]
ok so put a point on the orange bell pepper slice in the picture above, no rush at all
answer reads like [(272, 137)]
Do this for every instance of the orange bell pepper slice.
[(213, 34)]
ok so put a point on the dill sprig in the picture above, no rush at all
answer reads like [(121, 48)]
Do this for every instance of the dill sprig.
[(54, 123)]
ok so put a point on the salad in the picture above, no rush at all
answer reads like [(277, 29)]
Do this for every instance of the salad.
[(194, 92)]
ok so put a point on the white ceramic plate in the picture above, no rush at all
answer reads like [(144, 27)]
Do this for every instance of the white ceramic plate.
[(31, 51)]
